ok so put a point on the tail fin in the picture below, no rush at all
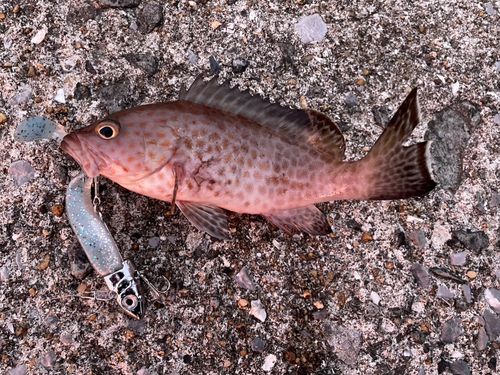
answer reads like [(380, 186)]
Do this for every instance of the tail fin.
[(394, 171)]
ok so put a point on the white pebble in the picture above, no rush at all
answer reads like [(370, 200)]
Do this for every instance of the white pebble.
[(40, 36), (311, 28), (258, 311), (269, 362), (440, 235), (492, 296), (4, 274), (375, 298), (458, 259), (60, 96), (418, 307)]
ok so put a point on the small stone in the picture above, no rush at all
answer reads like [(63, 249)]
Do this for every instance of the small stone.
[(458, 259), (58, 210), (119, 3), (494, 200), (320, 315), (21, 98), (460, 368), (214, 302), (258, 345), (3, 118), (215, 24), (471, 275), (80, 265), (243, 353), (43, 266), (239, 65), (381, 116), (214, 65), (491, 324), (66, 339), (473, 241), (319, 305), (417, 237), (143, 371), (48, 360), (51, 321), (154, 242), (60, 96), (39, 36), (258, 311), (2, 16), (4, 274), (375, 298), (421, 275), (31, 72), (451, 330), (497, 273), (19, 370), (346, 343), (311, 28), (447, 274), (193, 59), (467, 293), (116, 97), (81, 92), (149, 17), (144, 61), (351, 100), (360, 82), (81, 288), (89, 68), (129, 334), (242, 303), (490, 10), (444, 293), (269, 362), (227, 364), (482, 339), (366, 237), (422, 370), (244, 280)]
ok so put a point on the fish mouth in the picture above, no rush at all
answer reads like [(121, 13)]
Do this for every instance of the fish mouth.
[(74, 146)]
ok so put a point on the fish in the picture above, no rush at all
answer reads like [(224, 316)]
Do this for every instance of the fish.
[(219, 149)]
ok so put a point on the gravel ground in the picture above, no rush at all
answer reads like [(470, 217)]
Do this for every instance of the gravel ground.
[(401, 287)]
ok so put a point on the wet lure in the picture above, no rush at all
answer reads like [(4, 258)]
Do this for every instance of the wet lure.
[(219, 148)]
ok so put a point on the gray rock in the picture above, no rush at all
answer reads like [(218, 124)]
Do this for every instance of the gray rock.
[(258, 345), (48, 360), (51, 321), (421, 276), (138, 326), (239, 65), (351, 100), (494, 200), (467, 293), (4, 274), (450, 131), (104, 4), (214, 302), (21, 172), (491, 324), (311, 28), (320, 315), (193, 59), (497, 273), (444, 293), (451, 330), (381, 116), (154, 242), (492, 296), (490, 10), (346, 343), (81, 92), (460, 368), (67, 339), (422, 370), (116, 97), (482, 339), (214, 65), (473, 241), (144, 61), (82, 12), (80, 265), (418, 239), (244, 279), (19, 370), (458, 259), (21, 98), (149, 17)]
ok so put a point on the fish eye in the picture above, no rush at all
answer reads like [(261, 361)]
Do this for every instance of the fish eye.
[(107, 129)]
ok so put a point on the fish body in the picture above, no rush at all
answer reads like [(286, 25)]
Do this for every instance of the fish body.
[(219, 148)]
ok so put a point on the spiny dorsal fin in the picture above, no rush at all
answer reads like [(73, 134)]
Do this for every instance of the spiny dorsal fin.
[(309, 126)]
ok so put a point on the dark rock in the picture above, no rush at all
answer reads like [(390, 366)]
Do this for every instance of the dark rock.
[(80, 265), (116, 97), (287, 51), (48, 360), (104, 4), (491, 324), (447, 274), (482, 339), (417, 237), (451, 330), (60, 174), (81, 92), (467, 293), (351, 100), (244, 279), (240, 65), (89, 68), (461, 305), (492, 363), (346, 343), (450, 131), (421, 276), (320, 315), (149, 17), (258, 345), (460, 368), (144, 61), (442, 366), (214, 65), (154, 242), (473, 241), (83, 12), (381, 116), (138, 326)]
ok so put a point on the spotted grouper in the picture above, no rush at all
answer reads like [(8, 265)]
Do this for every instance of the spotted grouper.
[(218, 149)]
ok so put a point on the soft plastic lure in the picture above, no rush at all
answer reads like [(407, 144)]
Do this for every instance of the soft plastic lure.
[(36, 128)]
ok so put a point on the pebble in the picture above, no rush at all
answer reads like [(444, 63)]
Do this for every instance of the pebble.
[(45, 263), (492, 296), (421, 275), (4, 274), (345, 342), (19, 370), (39, 36), (422, 370), (458, 259), (269, 362), (467, 293), (119, 3), (48, 360), (351, 100), (491, 324), (242, 303), (21, 172), (494, 200), (154, 242), (444, 293), (451, 330), (58, 210), (258, 345), (143, 371), (258, 311), (116, 97), (214, 65), (144, 61), (149, 17), (239, 65), (460, 368), (496, 118), (320, 315), (446, 274), (375, 298), (311, 28), (3, 118), (50, 321), (471, 275), (482, 339), (193, 59), (451, 129), (381, 116), (60, 96), (80, 265), (417, 237), (440, 235), (490, 10), (21, 98), (81, 92), (474, 241), (360, 82), (497, 273), (66, 339), (244, 280), (19, 260)]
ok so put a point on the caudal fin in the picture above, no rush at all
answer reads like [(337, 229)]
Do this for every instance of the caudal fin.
[(393, 171)]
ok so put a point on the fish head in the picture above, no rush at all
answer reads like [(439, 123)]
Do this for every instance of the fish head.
[(125, 146)]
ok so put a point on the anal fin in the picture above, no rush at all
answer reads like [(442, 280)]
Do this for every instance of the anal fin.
[(207, 218), (307, 219)]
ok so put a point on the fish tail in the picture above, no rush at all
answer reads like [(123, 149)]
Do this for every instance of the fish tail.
[(393, 171)]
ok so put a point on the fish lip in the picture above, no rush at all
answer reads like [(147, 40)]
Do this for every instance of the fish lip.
[(73, 145)]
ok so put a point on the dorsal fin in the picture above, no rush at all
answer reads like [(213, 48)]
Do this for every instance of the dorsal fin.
[(309, 126)]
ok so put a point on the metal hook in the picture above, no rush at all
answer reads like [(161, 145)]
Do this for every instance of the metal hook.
[(157, 293), (97, 200), (98, 295)]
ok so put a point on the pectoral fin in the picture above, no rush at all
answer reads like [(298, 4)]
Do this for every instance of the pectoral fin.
[(307, 219), (207, 218)]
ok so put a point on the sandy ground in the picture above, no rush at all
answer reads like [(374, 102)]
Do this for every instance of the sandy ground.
[(342, 304)]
